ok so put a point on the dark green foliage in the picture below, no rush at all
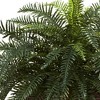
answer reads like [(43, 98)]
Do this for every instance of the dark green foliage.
[(53, 52)]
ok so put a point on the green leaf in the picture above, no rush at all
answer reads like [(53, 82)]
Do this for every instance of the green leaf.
[(67, 62), (53, 55), (26, 89), (80, 50)]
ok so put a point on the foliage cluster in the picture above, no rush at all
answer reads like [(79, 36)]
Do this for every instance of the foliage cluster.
[(53, 52)]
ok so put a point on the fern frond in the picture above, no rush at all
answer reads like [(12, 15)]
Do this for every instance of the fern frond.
[(96, 84), (10, 29), (82, 86), (78, 6), (53, 55), (46, 29), (38, 9), (45, 12), (80, 50), (5, 87), (61, 6), (68, 59), (83, 90), (53, 91), (90, 37), (74, 10), (23, 20), (96, 61), (26, 89)]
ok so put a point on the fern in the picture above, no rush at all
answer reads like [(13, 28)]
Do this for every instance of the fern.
[(53, 91), (23, 20), (27, 88), (74, 10), (45, 12), (96, 84), (68, 59), (52, 53), (10, 29), (61, 6), (82, 90), (51, 57), (80, 50), (91, 38)]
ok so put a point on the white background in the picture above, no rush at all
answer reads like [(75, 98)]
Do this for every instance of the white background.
[(9, 8)]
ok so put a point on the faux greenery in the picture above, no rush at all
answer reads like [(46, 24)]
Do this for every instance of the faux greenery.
[(53, 52)]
